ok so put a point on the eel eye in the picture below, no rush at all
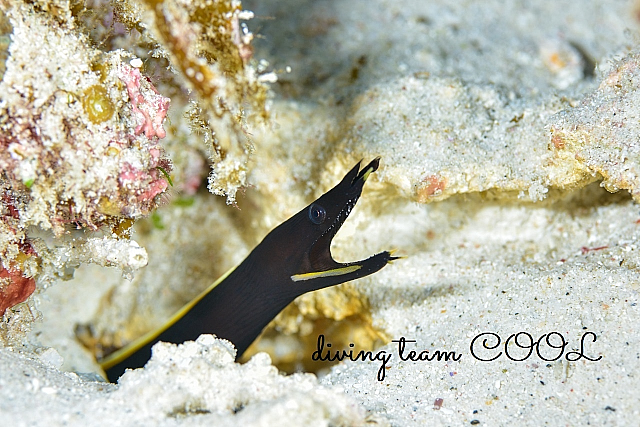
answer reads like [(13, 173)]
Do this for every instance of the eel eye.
[(317, 214)]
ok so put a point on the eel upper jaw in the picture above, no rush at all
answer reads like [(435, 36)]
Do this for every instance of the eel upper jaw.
[(320, 263)]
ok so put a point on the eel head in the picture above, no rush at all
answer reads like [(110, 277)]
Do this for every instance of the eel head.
[(304, 240)]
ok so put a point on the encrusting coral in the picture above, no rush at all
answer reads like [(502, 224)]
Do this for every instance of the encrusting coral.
[(209, 48), (66, 157), (80, 129), (598, 138)]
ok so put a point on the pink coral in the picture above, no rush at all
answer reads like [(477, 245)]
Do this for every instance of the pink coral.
[(157, 182), (150, 107)]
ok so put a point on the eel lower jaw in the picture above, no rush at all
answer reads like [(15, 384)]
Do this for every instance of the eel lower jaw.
[(343, 272)]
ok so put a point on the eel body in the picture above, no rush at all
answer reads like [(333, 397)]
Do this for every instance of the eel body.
[(293, 259)]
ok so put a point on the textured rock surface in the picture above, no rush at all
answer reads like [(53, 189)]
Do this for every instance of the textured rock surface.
[(166, 392)]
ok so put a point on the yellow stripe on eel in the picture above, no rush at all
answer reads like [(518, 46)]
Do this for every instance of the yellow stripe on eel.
[(123, 353), (327, 273)]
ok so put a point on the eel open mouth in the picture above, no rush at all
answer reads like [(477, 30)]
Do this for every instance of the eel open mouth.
[(342, 198)]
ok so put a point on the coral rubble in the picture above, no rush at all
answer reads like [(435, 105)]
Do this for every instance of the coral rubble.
[(66, 157), (599, 138), (225, 393), (208, 47), (82, 124)]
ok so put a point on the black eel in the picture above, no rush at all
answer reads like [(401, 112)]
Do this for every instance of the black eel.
[(293, 259)]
